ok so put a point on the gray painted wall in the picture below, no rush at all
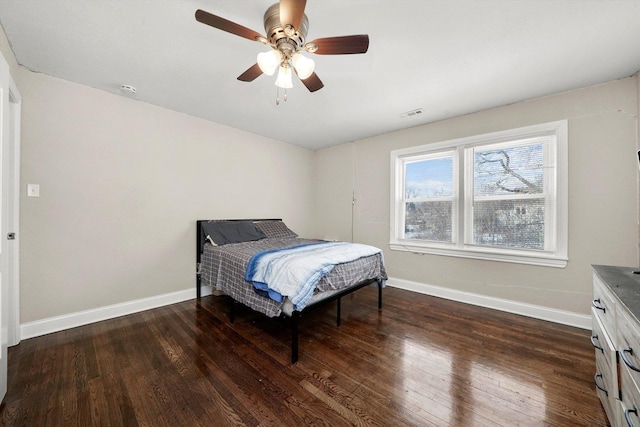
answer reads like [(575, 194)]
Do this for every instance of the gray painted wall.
[(121, 186), (603, 196)]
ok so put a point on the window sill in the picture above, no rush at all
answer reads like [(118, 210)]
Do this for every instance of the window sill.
[(530, 258)]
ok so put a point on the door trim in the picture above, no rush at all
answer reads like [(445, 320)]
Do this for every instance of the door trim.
[(15, 101)]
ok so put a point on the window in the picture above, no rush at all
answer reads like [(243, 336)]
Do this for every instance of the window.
[(500, 196)]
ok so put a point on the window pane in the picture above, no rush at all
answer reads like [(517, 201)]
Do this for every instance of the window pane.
[(512, 170), (509, 223), (428, 221), (429, 178)]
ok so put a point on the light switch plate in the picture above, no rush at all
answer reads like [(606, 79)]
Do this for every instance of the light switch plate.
[(33, 190)]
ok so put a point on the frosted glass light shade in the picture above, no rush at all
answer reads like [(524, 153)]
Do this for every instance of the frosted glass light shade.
[(269, 61), (284, 78), (304, 66)]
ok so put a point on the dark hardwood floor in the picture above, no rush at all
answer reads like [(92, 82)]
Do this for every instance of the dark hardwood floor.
[(421, 361)]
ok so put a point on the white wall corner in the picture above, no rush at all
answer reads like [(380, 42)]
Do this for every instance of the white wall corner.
[(538, 312), (638, 150), (68, 321)]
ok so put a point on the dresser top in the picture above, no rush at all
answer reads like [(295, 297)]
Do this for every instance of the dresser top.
[(624, 284)]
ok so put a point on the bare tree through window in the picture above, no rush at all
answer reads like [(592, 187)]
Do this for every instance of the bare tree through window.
[(508, 207)]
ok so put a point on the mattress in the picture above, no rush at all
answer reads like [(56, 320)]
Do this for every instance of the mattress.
[(223, 268)]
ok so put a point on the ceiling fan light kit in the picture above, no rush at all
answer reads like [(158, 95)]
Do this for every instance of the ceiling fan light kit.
[(304, 66), (284, 77), (286, 28), (269, 61)]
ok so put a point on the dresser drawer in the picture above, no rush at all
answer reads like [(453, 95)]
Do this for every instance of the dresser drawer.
[(629, 413), (606, 376), (604, 306), (604, 348), (628, 338), (606, 388)]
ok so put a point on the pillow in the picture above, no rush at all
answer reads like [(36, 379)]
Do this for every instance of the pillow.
[(274, 229), (224, 232)]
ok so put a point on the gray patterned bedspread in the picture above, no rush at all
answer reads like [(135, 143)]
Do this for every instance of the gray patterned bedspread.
[(223, 268)]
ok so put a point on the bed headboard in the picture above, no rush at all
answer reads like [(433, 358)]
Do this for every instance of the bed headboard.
[(200, 237), (200, 240)]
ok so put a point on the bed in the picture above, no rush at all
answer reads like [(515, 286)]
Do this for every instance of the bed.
[(258, 262)]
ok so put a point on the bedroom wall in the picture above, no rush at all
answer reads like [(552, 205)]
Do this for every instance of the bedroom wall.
[(603, 196), (6, 51), (334, 174), (121, 186)]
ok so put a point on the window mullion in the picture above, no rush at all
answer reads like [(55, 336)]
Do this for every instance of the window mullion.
[(461, 204), (468, 196)]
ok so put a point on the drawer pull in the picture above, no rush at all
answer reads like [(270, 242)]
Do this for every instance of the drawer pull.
[(627, 362), (627, 415), (594, 338), (596, 305), (595, 380)]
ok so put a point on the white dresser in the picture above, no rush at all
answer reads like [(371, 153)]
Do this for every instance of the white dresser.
[(616, 339)]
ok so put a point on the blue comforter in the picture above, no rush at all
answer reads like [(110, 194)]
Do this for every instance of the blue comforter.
[(295, 272)]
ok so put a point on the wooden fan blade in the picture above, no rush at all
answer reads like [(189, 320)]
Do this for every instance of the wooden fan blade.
[(251, 74), (292, 12), (343, 45), (226, 25), (313, 83)]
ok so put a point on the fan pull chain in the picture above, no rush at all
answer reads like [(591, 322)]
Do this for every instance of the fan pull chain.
[(278, 95)]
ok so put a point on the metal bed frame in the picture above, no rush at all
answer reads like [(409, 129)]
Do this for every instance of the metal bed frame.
[(295, 315)]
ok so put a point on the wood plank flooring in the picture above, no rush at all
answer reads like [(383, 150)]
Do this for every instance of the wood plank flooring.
[(421, 361)]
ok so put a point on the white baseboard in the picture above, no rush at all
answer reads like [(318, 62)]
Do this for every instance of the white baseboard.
[(68, 321), (539, 312)]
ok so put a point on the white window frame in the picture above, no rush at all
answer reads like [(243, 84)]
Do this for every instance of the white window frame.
[(556, 180), (433, 155)]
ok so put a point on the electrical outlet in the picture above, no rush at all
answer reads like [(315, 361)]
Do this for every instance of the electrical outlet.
[(33, 190)]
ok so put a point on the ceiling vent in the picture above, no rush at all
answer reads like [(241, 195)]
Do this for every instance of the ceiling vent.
[(412, 113), (128, 90)]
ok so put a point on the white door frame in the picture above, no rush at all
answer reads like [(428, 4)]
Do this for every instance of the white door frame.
[(15, 105), (9, 148)]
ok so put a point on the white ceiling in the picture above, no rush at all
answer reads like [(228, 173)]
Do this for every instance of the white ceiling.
[(448, 57)]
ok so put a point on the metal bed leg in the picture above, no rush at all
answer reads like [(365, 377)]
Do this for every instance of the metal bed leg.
[(295, 318), (380, 295), (338, 315), (232, 311)]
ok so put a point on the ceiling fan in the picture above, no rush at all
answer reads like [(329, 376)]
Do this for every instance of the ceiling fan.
[(286, 27)]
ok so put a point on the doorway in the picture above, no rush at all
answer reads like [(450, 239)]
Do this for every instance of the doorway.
[(10, 107)]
